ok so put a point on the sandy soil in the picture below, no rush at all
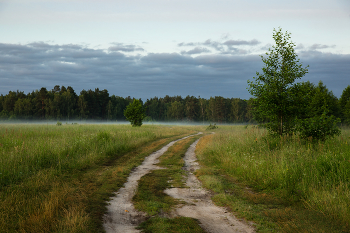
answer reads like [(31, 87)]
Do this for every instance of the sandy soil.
[(121, 215), (213, 219)]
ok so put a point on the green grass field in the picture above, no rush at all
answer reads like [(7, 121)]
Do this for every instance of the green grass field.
[(58, 178), (283, 184)]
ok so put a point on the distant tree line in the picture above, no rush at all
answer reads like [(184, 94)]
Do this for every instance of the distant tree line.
[(193, 109), (64, 104)]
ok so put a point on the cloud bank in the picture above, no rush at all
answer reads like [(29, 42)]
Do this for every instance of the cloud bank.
[(205, 69)]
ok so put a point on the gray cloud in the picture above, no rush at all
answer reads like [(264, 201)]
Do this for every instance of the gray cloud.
[(226, 47), (196, 50), (241, 42), (32, 66), (125, 48), (187, 44), (320, 46)]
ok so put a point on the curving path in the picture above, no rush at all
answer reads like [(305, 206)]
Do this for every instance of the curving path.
[(122, 217)]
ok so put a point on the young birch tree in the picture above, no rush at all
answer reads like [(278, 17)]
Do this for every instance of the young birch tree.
[(274, 102)]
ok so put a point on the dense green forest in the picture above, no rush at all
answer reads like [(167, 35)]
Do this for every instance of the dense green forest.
[(64, 104)]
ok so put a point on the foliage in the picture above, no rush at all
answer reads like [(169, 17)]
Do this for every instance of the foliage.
[(322, 100), (211, 127), (63, 104), (317, 112), (273, 88), (285, 106), (319, 127), (59, 123), (148, 119), (175, 111), (135, 113), (344, 103), (347, 113)]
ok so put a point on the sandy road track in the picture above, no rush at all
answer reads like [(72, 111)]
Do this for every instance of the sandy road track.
[(121, 215)]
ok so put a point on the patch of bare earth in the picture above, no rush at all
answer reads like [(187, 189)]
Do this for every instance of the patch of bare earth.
[(121, 215), (212, 218)]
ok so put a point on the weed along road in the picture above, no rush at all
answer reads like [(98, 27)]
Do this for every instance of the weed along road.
[(186, 206)]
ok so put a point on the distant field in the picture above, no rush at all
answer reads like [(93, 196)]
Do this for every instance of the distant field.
[(56, 178)]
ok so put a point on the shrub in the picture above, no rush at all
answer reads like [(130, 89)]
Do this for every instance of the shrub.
[(135, 113), (319, 127), (212, 127)]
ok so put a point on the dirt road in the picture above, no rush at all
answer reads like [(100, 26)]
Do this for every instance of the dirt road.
[(123, 218)]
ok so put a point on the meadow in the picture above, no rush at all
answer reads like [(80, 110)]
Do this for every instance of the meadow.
[(58, 178), (283, 184)]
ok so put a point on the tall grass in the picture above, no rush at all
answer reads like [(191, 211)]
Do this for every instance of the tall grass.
[(316, 174), (49, 174)]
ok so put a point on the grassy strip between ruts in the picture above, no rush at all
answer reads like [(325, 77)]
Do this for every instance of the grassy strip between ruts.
[(79, 168), (151, 199), (274, 182)]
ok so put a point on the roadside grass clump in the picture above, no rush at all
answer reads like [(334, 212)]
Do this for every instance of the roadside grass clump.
[(293, 184), (57, 179)]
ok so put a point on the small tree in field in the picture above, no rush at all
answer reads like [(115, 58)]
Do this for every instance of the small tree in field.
[(273, 89), (135, 113)]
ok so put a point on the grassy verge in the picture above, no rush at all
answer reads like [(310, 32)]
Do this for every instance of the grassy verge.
[(151, 199), (282, 184), (57, 179)]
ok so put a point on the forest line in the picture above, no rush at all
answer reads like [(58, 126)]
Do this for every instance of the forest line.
[(64, 104)]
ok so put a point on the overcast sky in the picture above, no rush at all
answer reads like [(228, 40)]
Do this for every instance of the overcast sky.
[(150, 48)]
